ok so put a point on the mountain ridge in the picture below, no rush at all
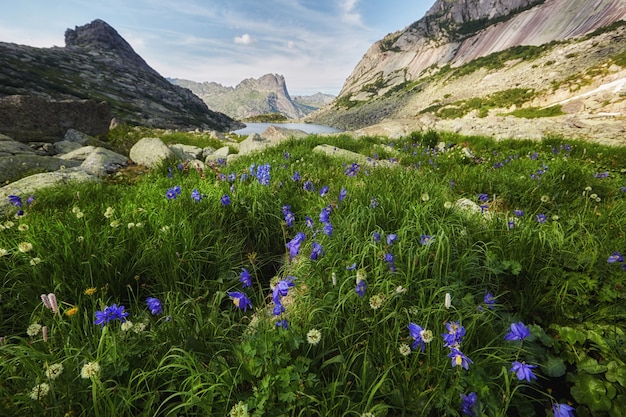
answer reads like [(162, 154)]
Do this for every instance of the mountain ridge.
[(437, 64), (252, 97), (98, 64)]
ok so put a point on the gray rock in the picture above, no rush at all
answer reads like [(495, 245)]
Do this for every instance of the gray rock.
[(32, 118), (66, 146), (353, 156), (102, 162), (185, 152), (221, 153), (18, 166), (207, 151), (79, 154), (150, 152), (253, 142), (33, 183), (9, 147), (75, 136)]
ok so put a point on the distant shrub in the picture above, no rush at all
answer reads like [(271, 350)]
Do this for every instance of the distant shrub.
[(537, 112)]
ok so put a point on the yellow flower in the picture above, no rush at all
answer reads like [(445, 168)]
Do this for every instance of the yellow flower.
[(91, 291), (70, 312)]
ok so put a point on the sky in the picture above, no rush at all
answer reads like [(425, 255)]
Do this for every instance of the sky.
[(314, 44)]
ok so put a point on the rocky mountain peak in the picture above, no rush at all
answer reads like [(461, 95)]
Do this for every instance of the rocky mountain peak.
[(97, 34)]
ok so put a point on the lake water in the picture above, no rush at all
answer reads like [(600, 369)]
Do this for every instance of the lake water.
[(307, 127)]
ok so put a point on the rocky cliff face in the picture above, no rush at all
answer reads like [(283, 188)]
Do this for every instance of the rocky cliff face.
[(251, 97), (98, 64), (464, 49)]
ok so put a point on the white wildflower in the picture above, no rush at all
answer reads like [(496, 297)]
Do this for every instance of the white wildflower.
[(314, 336), (33, 329), (40, 391), (405, 350), (53, 371), (90, 370)]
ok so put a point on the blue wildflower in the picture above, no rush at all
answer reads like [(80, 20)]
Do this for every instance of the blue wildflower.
[(468, 402), (455, 334), (353, 169), (289, 216), (351, 267), (282, 323), (308, 186), (294, 244), (459, 359), (518, 213), (483, 197), (563, 410), (361, 287), (245, 278), (15, 200), (154, 305), (317, 251), (109, 314), (225, 200), (309, 222), (328, 229), (263, 174), (416, 333), (601, 174), (615, 257), (391, 238), (541, 218), (325, 214), (240, 300), (172, 192), (523, 371), (343, 194), (426, 240), (518, 332), (296, 176), (489, 300), (376, 237), (324, 190), (374, 203), (195, 195)]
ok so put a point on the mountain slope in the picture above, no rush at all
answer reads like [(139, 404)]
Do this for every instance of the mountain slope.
[(98, 64), (464, 50), (251, 97)]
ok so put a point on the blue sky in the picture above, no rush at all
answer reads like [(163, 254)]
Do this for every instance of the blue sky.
[(314, 44)]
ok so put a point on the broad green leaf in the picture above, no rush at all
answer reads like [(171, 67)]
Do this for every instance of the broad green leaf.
[(591, 366), (592, 392), (616, 373), (554, 367), (572, 336)]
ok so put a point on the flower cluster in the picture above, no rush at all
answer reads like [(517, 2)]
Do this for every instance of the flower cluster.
[(281, 290), (452, 340), (108, 314), (17, 202), (420, 336)]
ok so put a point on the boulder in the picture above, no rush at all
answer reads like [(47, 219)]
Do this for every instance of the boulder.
[(66, 146), (17, 166), (150, 152), (221, 153), (9, 147), (185, 152), (76, 136), (30, 185), (252, 143), (79, 154), (33, 118), (102, 162)]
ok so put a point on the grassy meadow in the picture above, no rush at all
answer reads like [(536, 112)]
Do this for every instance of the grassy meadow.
[(291, 283)]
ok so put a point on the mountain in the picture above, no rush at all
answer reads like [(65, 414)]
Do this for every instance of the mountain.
[(314, 101), (485, 58), (98, 64), (251, 97)]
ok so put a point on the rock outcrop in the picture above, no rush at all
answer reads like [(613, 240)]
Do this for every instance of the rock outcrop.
[(97, 64), (464, 53), (251, 97), (32, 118)]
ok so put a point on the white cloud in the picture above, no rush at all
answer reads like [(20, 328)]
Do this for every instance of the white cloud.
[(350, 15), (245, 39)]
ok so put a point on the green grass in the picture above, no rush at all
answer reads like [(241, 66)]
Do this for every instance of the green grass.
[(102, 244)]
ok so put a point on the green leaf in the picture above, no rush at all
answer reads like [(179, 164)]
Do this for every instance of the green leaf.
[(591, 366), (592, 392), (572, 336), (554, 367), (616, 373)]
